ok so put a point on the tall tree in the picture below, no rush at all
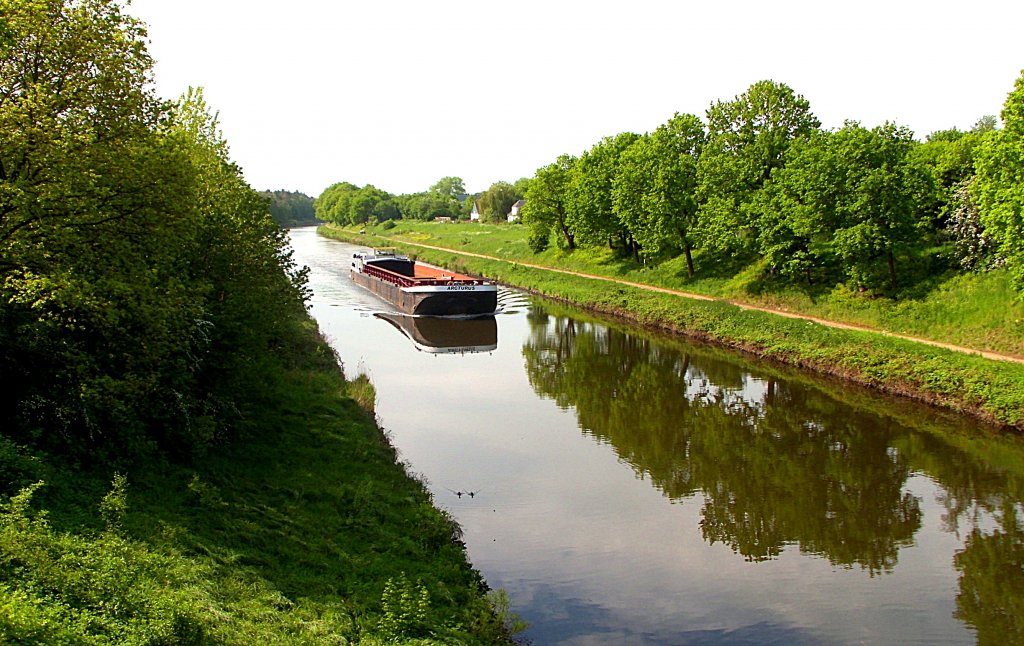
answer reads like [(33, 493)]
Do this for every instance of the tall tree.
[(448, 187), (443, 197), (545, 208), (371, 204), (75, 78), (290, 208), (747, 138), (334, 203), (855, 193), (591, 205), (655, 189), (999, 186), (141, 277)]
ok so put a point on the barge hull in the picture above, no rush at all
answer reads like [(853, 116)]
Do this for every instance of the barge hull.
[(441, 300)]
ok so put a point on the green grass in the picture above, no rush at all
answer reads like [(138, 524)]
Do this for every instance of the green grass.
[(990, 390), (308, 532)]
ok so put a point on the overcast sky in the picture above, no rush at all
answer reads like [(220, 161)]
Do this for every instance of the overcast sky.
[(399, 93)]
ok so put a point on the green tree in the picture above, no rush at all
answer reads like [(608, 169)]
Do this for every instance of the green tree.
[(443, 197), (251, 288), (142, 278), (97, 330), (521, 186), (747, 139), (947, 158), (497, 201), (290, 208), (371, 204), (654, 191), (796, 207), (448, 187), (855, 193), (74, 79), (590, 207), (545, 208), (999, 187), (876, 205), (334, 203)]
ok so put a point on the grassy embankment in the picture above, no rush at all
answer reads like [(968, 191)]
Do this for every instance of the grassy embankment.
[(976, 311), (308, 532)]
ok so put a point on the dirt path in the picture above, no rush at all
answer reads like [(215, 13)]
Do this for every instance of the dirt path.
[(746, 306)]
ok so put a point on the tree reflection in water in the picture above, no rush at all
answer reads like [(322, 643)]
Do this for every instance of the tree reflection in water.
[(991, 569), (788, 461)]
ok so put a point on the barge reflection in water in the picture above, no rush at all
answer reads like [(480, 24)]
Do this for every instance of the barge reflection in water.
[(446, 335)]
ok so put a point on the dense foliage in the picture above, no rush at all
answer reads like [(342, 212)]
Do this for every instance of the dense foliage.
[(347, 204), (762, 185), (141, 276), (290, 208)]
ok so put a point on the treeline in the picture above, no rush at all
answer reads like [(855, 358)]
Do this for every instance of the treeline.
[(290, 208), (759, 181), (347, 204), (142, 281)]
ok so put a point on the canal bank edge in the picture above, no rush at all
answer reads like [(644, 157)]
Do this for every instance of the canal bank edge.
[(989, 390)]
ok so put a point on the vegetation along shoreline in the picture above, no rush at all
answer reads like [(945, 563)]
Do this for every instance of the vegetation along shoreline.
[(182, 460), (987, 389)]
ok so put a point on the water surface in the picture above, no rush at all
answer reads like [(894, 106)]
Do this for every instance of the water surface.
[(630, 489)]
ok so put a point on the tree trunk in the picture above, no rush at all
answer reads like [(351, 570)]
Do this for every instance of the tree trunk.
[(570, 239), (892, 270), (689, 257)]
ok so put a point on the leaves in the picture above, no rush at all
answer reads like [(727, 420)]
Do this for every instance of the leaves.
[(999, 187), (138, 271)]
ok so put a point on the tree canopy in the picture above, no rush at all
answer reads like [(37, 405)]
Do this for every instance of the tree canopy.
[(290, 208), (1000, 182), (140, 273)]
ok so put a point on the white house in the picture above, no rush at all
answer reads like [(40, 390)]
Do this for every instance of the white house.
[(513, 213)]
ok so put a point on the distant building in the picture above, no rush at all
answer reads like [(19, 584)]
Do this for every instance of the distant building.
[(442, 218), (474, 215), (513, 213)]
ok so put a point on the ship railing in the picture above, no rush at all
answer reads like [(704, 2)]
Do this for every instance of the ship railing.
[(396, 278)]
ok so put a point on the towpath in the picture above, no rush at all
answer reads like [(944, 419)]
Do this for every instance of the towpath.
[(996, 356)]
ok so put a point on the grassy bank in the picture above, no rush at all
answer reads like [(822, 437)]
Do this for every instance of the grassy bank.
[(990, 390), (310, 531), (977, 310)]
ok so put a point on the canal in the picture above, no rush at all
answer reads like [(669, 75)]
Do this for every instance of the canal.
[(625, 488)]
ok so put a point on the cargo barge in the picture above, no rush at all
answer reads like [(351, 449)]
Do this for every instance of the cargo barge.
[(417, 288)]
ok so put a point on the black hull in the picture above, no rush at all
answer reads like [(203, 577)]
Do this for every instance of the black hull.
[(444, 301), (456, 303)]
